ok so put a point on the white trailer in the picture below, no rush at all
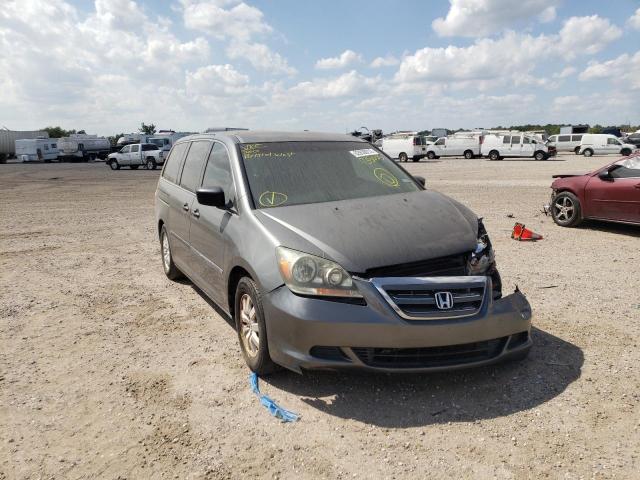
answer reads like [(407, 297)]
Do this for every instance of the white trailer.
[(8, 140), (37, 149), (80, 146)]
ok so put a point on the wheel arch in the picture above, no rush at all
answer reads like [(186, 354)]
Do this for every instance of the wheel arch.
[(235, 274)]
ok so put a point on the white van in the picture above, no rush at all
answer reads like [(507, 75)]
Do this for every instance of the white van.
[(566, 143), (456, 145), (499, 146), (405, 145), (600, 144)]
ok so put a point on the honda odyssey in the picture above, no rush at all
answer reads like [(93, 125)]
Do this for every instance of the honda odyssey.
[(327, 254)]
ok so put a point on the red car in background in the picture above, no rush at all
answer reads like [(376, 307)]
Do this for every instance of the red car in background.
[(610, 193)]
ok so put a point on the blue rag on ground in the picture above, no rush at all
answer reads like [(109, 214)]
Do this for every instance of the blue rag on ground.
[(275, 409)]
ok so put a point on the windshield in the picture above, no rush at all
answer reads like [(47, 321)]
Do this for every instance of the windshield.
[(292, 173)]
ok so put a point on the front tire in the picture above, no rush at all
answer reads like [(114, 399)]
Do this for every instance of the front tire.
[(588, 152), (431, 155), (625, 152), (114, 165), (170, 269), (576, 150), (566, 210), (251, 328), (468, 154), (402, 157), (540, 155), (494, 155)]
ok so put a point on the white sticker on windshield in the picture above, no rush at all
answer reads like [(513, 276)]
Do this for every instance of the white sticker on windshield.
[(365, 152)]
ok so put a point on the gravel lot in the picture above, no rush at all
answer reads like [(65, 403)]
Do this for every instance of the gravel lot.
[(109, 370)]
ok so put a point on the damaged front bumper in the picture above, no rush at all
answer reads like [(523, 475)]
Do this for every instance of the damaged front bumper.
[(398, 327)]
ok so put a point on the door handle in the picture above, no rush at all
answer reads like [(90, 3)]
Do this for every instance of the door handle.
[(185, 207), (196, 213)]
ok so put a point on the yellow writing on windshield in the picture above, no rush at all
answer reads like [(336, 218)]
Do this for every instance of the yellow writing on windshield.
[(272, 199), (260, 150), (386, 177)]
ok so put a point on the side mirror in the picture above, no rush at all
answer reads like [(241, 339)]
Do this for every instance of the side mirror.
[(605, 176), (211, 196), (420, 180)]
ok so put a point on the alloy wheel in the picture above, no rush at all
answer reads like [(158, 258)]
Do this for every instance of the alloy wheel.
[(564, 209), (249, 326)]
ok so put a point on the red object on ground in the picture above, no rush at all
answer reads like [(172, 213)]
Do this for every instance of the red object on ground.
[(520, 232)]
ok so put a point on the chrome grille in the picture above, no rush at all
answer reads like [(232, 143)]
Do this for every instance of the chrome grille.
[(415, 298)]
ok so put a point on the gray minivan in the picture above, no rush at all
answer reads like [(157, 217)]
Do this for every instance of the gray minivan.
[(327, 254)]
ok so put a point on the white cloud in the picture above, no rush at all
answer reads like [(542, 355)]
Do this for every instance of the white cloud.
[(623, 71), (241, 21), (216, 80), (342, 86), (634, 20), (388, 61), (565, 72), (346, 58), (477, 18), (261, 57), (510, 58), (587, 34)]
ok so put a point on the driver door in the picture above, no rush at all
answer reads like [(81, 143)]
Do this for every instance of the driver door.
[(208, 235), (618, 197)]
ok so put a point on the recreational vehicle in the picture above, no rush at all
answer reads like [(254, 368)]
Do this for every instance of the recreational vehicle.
[(37, 149)]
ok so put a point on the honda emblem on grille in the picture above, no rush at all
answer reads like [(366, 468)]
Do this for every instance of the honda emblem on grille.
[(444, 300)]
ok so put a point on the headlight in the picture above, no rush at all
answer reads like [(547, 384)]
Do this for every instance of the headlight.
[(310, 275), (482, 258)]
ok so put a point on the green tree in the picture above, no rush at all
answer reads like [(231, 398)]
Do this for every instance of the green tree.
[(58, 132), (147, 129), (114, 139)]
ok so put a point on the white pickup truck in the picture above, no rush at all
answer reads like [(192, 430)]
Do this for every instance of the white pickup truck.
[(132, 156)]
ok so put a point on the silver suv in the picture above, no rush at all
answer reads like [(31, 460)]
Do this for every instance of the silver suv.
[(327, 254)]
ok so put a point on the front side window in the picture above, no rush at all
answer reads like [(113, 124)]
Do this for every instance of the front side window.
[(217, 173), (627, 168), (293, 173), (506, 139), (526, 140), (515, 140), (193, 164), (135, 148), (440, 141), (613, 141), (172, 165), (125, 149), (552, 138)]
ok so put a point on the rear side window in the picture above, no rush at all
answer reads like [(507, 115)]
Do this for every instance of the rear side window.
[(576, 138), (506, 139), (217, 173), (172, 165), (564, 138), (192, 170)]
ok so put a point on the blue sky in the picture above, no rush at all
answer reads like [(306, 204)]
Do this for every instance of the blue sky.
[(108, 65)]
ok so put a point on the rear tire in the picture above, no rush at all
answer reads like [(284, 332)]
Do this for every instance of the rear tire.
[(588, 152), (114, 165), (494, 155), (468, 154), (431, 155), (625, 152), (566, 210), (402, 157), (170, 269), (576, 150), (251, 328), (151, 164)]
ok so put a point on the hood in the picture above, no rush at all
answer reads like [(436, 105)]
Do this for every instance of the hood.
[(366, 233), (566, 175)]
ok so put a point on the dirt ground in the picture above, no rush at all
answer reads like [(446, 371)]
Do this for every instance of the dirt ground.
[(109, 370)]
